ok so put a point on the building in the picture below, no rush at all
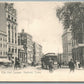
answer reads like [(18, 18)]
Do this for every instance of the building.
[(37, 53), (78, 40), (25, 39), (8, 25), (3, 45), (22, 55), (60, 58), (21, 51), (67, 45)]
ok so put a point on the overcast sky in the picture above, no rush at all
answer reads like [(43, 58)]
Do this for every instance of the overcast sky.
[(39, 19)]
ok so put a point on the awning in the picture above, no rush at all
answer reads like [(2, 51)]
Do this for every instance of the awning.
[(4, 60)]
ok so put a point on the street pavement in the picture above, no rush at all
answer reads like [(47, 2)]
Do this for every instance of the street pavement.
[(39, 74)]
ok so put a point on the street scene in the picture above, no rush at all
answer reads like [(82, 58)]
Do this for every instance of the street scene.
[(42, 37)]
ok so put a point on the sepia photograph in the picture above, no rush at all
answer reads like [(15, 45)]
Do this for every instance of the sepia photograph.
[(41, 41)]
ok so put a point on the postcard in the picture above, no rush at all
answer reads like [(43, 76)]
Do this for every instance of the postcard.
[(41, 41)]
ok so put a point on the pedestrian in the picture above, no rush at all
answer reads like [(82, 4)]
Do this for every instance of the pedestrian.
[(17, 64), (71, 65), (59, 65), (79, 64), (50, 65)]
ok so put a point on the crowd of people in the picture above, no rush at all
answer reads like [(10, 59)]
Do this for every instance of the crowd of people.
[(71, 65)]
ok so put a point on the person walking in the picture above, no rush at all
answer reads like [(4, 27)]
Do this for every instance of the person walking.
[(59, 65), (50, 65), (71, 65), (17, 64)]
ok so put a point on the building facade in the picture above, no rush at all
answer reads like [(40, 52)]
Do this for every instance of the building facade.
[(9, 26), (67, 45), (21, 51), (37, 53), (21, 55), (3, 45), (78, 45), (25, 39), (60, 58), (78, 40)]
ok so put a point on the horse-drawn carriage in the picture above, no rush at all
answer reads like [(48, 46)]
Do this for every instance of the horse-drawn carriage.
[(45, 60)]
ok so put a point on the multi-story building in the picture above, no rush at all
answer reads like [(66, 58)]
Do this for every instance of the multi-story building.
[(21, 51), (21, 55), (67, 45), (3, 45), (8, 25), (78, 40), (25, 39), (37, 53)]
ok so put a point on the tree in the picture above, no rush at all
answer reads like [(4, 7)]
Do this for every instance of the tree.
[(71, 15)]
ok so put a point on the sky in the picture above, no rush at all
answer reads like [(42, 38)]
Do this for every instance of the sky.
[(39, 20)]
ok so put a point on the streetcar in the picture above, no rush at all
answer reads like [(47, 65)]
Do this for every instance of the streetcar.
[(45, 60)]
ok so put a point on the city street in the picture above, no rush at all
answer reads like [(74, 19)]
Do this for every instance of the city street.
[(37, 35), (39, 74)]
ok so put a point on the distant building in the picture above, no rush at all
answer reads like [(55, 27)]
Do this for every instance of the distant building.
[(60, 58), (21, 52), (25, 39), (37, 53), (8, 25), (67, 45)]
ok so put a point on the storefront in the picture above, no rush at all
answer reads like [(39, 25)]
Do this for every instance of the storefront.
[(78, 55)]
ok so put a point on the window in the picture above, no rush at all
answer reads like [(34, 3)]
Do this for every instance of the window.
[(15, 41), (0, 52), (0, 45), (15, 20), (9, 33), (15, 50), (4, 53), (12, 18), (12, 35), (15, 36), (0, 38), (12, 50), (9, 16), (9, 50), (4, 45), (5, 39), (12, 40), (19, 41)]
